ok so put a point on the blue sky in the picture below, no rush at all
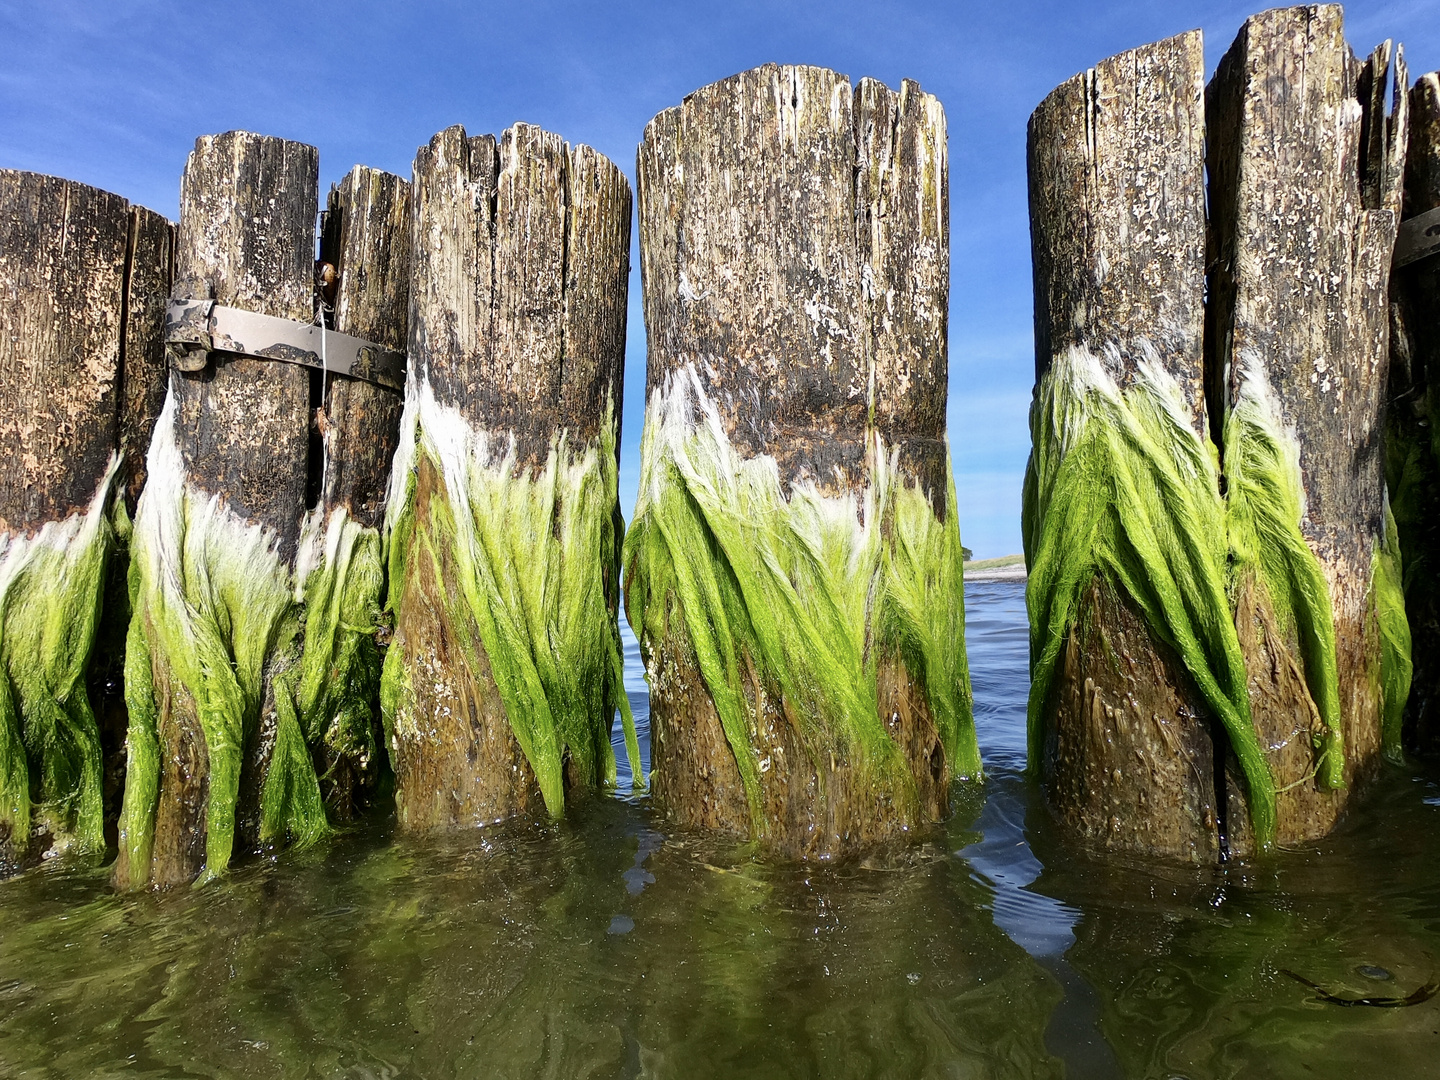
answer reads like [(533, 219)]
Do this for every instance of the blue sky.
[(114, 94)]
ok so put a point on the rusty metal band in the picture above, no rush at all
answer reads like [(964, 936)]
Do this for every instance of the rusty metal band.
[(1418, 238), (194, 328)]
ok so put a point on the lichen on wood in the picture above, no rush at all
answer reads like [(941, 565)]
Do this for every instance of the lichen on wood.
[(502, 529)]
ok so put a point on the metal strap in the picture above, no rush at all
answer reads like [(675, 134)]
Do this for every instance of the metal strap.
[(1418, 237), (196, 327)]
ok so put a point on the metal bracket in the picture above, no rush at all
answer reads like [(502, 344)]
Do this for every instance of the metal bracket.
[(194, 328), (1418, 238)]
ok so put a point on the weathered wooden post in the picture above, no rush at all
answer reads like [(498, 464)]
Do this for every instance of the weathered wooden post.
[(1210, 590), (1412, 462), (73, 259), (503, 674), (215, 747), (1133, 654), (793, 570), (365, 249), (1305, 179)]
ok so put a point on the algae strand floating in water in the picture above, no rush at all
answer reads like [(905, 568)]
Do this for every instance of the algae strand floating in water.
[(1419, 996)]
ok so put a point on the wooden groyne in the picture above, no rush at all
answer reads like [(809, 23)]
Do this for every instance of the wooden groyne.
[(793, 570), (504, 672), (290, 533), (1216, 633)]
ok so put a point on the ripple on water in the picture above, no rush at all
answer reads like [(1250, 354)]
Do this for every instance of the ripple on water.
[(614, 945)]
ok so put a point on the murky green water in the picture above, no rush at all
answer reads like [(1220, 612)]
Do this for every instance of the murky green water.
[(612, 946)]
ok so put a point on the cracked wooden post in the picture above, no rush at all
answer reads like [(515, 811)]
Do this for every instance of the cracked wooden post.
[(144, 376), (365, 249), (793, 570), (1213, 593), (216, 753), (1412, 465), (1120, 726), (1305, 180), (502, 679), (69, 261)]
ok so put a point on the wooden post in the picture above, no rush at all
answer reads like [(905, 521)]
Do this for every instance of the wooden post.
[(1305, 179), (63, 251), (365, 246), (215, 748), (1120, 729), (149, 265), (1412, 465), (143, 378), (501, 681), (793, 570), (1212, 592)]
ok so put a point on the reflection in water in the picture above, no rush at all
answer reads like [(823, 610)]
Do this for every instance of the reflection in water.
[(614, 946)]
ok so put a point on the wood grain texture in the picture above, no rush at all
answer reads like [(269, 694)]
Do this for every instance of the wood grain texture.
[(794, 243), (752, 269), (1305, 196), (62, 272), (367, 239), (1413, 466), (517, 320), (149, 265), (1117, 225), (246, 238)]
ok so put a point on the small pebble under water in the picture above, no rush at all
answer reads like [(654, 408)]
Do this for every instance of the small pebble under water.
[(613, 946)]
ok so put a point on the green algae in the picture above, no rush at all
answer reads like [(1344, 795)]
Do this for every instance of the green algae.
[(1120, 486), (532, 554), (1396, 665), (342, 571), (1265, 501), (215, 619), (807, 591), (51, 589)]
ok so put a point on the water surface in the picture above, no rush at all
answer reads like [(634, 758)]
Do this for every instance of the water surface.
[(615, 946)]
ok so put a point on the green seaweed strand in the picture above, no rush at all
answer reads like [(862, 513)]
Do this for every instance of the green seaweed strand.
[(804, 592), (216, 613), (1120, 486), (531, 554), (1396, 666), (51, 588), (1264, 507), (344, 585)]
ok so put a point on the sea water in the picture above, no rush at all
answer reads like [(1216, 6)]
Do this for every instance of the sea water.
[(616, 946)]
